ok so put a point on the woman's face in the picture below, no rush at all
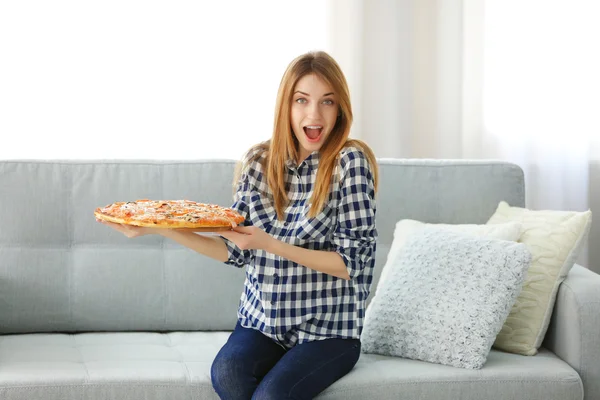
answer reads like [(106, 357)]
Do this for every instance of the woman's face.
[(314, 113)]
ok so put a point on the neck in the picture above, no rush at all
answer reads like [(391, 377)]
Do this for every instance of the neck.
[(302, 155)]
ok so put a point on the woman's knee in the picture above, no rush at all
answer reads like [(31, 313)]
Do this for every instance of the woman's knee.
[(272, 390), (218, 371), (230, 378)]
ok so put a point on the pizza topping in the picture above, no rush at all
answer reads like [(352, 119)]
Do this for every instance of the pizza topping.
[(174, 213)]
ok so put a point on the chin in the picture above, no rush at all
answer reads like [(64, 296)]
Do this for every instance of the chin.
[(312, 146)]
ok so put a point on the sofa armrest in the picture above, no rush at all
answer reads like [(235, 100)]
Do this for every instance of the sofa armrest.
[(574, 331)]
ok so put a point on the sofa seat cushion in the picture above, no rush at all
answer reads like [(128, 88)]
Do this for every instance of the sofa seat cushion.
[(146, 365), (504, 376)]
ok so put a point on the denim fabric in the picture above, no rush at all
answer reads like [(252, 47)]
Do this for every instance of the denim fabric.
[(253, 366)]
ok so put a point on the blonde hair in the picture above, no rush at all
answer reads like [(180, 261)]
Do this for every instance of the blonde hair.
[(284, 145)]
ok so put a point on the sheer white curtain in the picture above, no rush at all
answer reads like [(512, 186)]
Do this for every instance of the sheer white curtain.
[(146, 79), (515, 80), (540, 97), (540, 93)]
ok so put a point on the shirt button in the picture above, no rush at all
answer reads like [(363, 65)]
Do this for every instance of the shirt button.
[(286, 223), (275, 276), (272, 302)]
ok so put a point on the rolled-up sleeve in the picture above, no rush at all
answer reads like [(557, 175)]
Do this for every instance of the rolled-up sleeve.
[(355, 236), (236, 256)]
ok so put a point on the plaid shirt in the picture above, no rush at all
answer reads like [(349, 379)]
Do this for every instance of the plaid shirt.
[(286, 301)]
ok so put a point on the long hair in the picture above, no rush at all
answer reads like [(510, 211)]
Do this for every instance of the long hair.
[(284, 145)]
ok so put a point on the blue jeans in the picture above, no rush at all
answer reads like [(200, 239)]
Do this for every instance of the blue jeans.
[(252, 366)]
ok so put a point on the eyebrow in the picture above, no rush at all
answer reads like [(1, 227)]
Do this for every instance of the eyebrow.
[(306, 94)]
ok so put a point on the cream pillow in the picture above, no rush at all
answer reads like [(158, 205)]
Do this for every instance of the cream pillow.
[(407, 227), (555, 239)]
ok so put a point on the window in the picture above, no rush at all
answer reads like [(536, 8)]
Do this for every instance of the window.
[(146, 79), (541, 71)]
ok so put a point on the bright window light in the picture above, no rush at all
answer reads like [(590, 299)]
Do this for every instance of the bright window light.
[(146, 79), (541, 78)]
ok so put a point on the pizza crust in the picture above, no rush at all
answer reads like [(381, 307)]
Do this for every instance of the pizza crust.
[(171, 214), (108, 218)]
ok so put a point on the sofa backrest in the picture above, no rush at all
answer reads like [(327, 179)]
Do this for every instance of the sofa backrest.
[(61, 271)]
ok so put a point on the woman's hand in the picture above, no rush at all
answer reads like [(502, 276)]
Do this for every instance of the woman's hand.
[(128, 230), (249, 238)]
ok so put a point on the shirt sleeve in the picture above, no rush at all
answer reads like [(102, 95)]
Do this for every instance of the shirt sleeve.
[(355, 235), (241, 203)]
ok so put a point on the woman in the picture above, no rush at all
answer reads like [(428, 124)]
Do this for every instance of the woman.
[(307, 244)]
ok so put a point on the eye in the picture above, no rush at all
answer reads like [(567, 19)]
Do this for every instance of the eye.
[(328, 102), (301, 100)]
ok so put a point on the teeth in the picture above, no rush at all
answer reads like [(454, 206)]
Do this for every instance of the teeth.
[(314, 127)]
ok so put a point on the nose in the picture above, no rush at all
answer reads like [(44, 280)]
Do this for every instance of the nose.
[(314, 111)]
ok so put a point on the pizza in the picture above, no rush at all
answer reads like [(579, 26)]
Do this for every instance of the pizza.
[(170, 214)]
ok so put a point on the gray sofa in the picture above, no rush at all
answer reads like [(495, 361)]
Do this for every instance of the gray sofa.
[(86, 313)]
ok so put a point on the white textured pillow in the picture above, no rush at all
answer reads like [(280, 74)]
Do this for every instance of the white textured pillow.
[(555, 239), (446, 298), (407, 227)]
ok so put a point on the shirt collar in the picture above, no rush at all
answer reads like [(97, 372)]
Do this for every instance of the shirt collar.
[(312, 161)]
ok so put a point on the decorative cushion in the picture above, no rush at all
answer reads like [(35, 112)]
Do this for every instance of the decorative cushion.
[(407, 227), (555, 239), (446, 297)]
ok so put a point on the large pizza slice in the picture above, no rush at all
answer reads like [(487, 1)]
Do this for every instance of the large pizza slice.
[(170, 214)]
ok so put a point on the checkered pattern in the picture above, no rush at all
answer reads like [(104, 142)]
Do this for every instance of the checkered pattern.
[(289, 302)]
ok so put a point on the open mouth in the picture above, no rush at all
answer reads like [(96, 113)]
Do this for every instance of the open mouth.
[(313, 132)]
